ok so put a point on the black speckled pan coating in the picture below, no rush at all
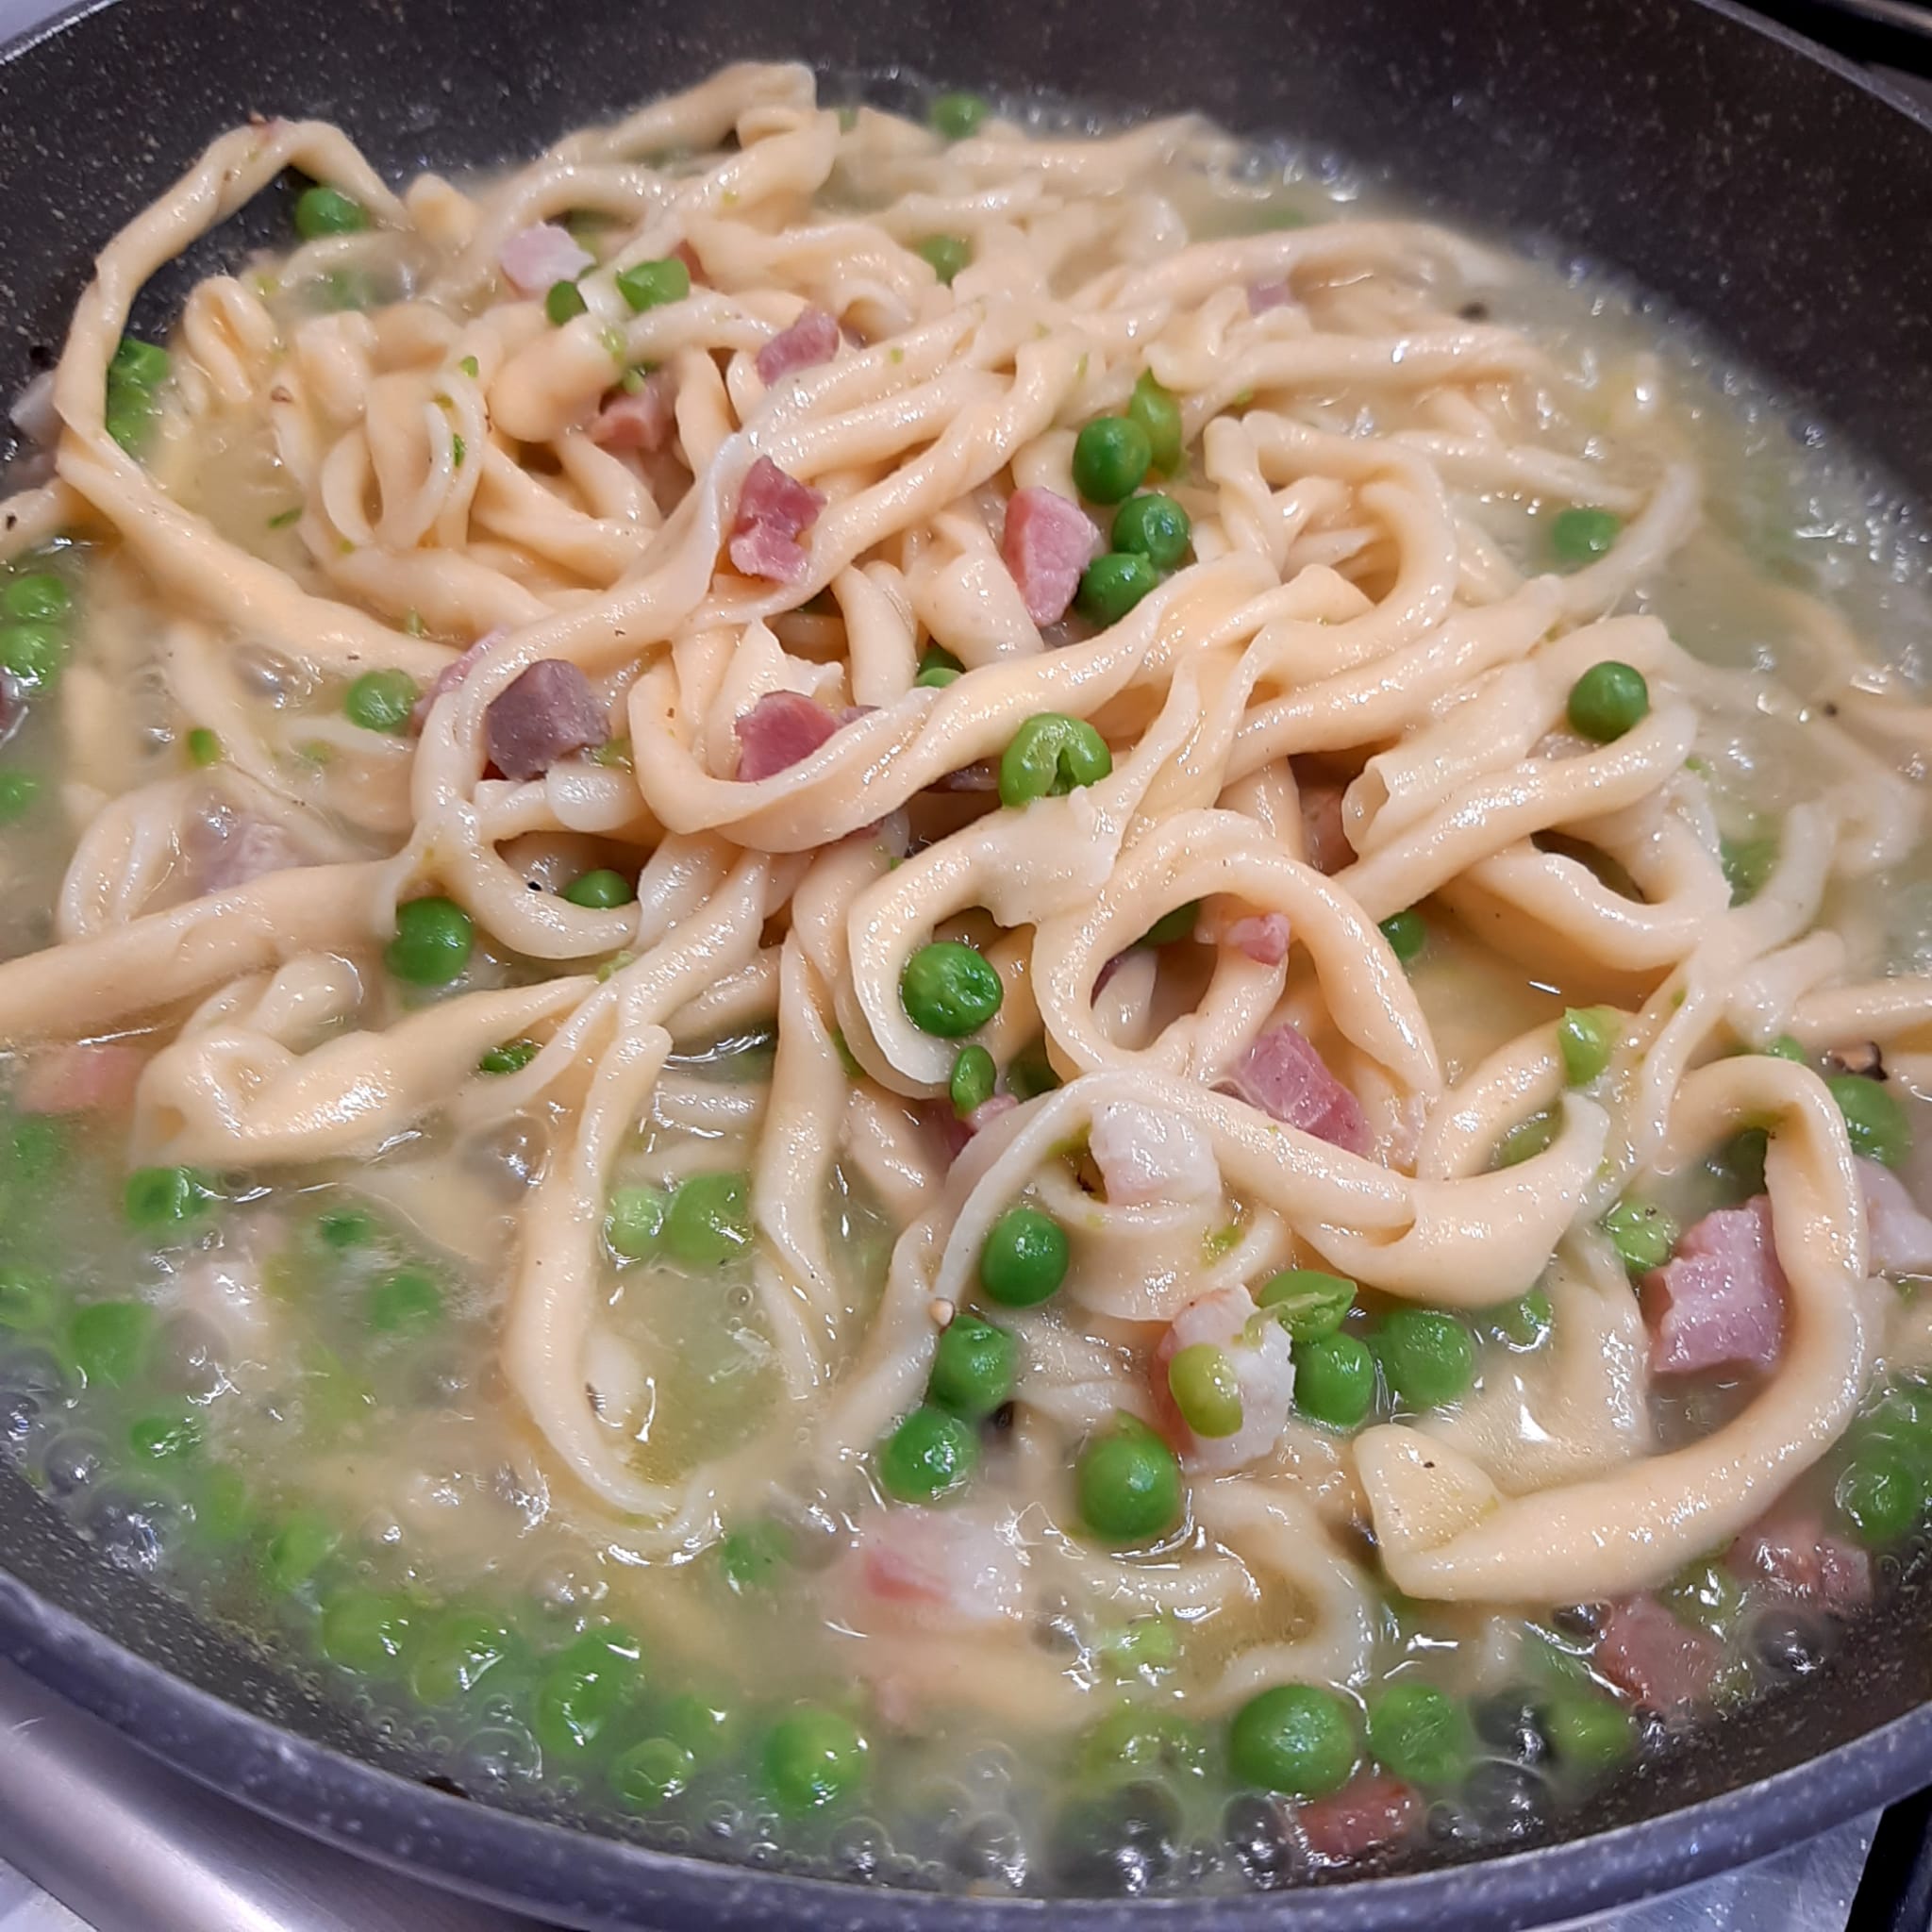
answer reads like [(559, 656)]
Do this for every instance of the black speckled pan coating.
[(1751, 181)]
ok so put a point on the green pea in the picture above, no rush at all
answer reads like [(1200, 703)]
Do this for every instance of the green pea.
[(651, 1773), (585, 1688), (33, 653), (755, 1557), (321, 211), (1025, 1260), (704, 1721), (1153, 525), (406, 1302), (949, 991), (1173, 927), (812, 1758), (927, 1457), (1784, 1048), (652, 284), (136, 361), (1708, 1595), (38, 596), (1050, 755), (972, 1082), (365, 1630), (1879, 1494), (564, 302), (1146, 1648), (1160, 417), (1335, 1380), (168, 1437), (1030, 1074), (1206, 1389), (1525, 1322), (1112, 584), (18, 791), (937, 668), (1135, 1741), (223, 1513), (636, 1221), (972, 1368), (1581, 536), (1127, 1483), (1110, 457), (203, 747), (1587, 1036), (1408, 933), (1420, 1734), (1526, 1139), (1737, 1169), (1307, 1302), (434, 938), (708, 1222), (30, 1304), (1608, 700), (1428, 1356), (945, 254), (161, 1198), (1874, 1120), (452, 1654), (297, 1550), (37, 1147), (508, 1056), (600, 890), (1587, 1732), (1295, 1738), (1642, 1234), (348, 1228), (1747, 863), (381, 701), (955, 116)]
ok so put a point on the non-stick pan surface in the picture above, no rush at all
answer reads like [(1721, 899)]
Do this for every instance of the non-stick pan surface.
[(1750, 182)]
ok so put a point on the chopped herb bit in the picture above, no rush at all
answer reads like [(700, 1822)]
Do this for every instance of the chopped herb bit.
[(470, 366), (203, 747), (287, 517)]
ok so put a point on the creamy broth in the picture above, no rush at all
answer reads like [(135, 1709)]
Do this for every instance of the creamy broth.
[(978, 1003)]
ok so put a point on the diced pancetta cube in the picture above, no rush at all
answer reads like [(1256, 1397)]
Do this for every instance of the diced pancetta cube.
[(812, 340), (774, 511), (1720, 1300), (1655, 1657), (782, 728), (546, 712), (1046, 544), (1289, 1080), (536, 258)]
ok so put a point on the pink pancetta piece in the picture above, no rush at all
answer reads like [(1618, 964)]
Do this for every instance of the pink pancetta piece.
[(1263, 1369), (1655, 1657), (235, 851), (1794, 1555), (536, 258), (1144, 1154), (547, 712), (1046, 543), (1289, 1081), (1720, 1300), (448, 678), (1263, 936), (940, 1566), (774, 511), (89, 1077), (640, 419), (1372, 1811), (812, 340), (1262, 296), (782, 728), (1900, 1236), (1323, 836)]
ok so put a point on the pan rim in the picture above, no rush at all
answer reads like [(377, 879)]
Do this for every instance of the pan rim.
[(502, 1856)]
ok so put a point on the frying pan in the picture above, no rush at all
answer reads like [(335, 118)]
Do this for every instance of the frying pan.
[(1751, 180)]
